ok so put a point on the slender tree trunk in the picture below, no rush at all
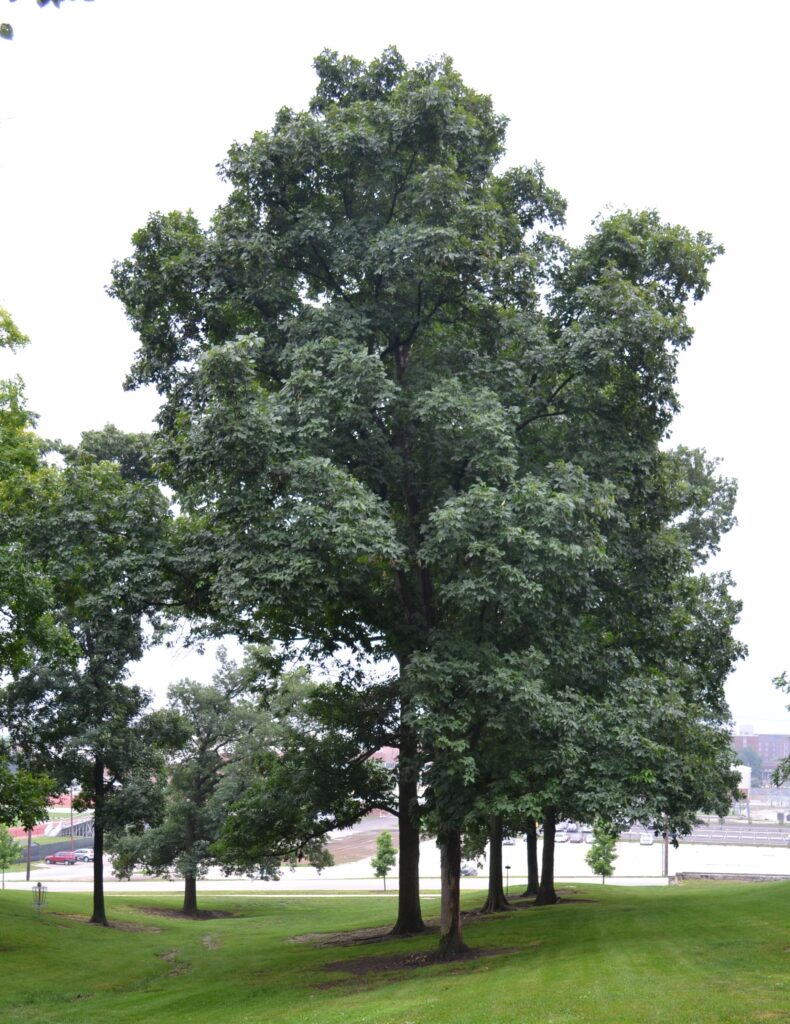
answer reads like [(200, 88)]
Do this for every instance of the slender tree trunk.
[(190, 896), (409, 920), (451, 943), (497, 899), (99, 915), (546, 892), (532, 859)]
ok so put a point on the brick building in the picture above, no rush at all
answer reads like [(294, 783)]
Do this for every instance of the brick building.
[(772, 749)]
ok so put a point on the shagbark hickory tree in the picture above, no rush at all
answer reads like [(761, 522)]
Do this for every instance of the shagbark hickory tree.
[(404, 417)]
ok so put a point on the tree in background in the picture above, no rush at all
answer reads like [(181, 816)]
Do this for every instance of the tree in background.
[(24, 795), (102, 534), (9, 851), (301, 773), (385, 857), (602, 853), (753, 760), (220, 728)]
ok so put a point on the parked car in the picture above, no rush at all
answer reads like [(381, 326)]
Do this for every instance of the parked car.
[(647, 839), (575, 837), (561, 837), (84, 854), (61, 857), (468, 871), (508, 841)]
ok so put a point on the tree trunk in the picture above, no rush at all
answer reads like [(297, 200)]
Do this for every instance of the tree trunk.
[(451, 943), (190, 896), (497, 900), (532, 859), (99, 915), (409, 920), (546, 892)]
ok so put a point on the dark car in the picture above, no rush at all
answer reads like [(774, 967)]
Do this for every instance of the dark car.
[(61, 857)]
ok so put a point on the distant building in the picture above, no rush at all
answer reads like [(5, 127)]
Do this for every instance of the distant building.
[(388, 756), (771, 748)]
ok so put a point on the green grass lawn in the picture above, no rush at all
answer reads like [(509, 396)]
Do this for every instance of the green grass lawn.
[(696, 953)]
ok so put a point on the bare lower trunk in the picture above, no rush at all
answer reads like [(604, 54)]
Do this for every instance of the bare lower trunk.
[(451, 943), (190, 896), (409, 920), (99, 915), (497, 900), (532, 859), (546, 892)]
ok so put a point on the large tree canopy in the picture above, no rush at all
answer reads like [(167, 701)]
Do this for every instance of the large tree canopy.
[(403, 415)]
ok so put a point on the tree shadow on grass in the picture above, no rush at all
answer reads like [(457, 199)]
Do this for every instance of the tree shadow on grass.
[(390, 967)]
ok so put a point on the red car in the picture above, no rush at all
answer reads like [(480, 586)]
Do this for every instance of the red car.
[(61, 857)]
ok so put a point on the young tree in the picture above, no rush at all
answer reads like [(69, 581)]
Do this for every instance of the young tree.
[(602, 853), (224, 734), (385, 857), (9, 851), (404, 417), (210, 721)]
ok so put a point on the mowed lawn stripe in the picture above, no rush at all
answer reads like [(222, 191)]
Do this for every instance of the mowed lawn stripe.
[(701, 953)]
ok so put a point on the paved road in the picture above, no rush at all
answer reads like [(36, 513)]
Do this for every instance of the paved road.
[(635, 865)]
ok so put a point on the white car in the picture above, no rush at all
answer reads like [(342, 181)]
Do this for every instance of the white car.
[(560, 837), (647, 839), (84, 854)]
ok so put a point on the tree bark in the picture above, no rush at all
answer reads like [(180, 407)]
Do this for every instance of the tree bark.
[(409, 920), (546, 891), (497, 899), (190, 896), (532, 859), (451, 943), (99, 915)]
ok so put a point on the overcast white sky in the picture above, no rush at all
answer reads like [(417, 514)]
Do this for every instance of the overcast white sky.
[(115, 108)]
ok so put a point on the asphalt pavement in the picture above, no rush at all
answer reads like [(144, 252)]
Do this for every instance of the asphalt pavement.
[(635, 865)]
